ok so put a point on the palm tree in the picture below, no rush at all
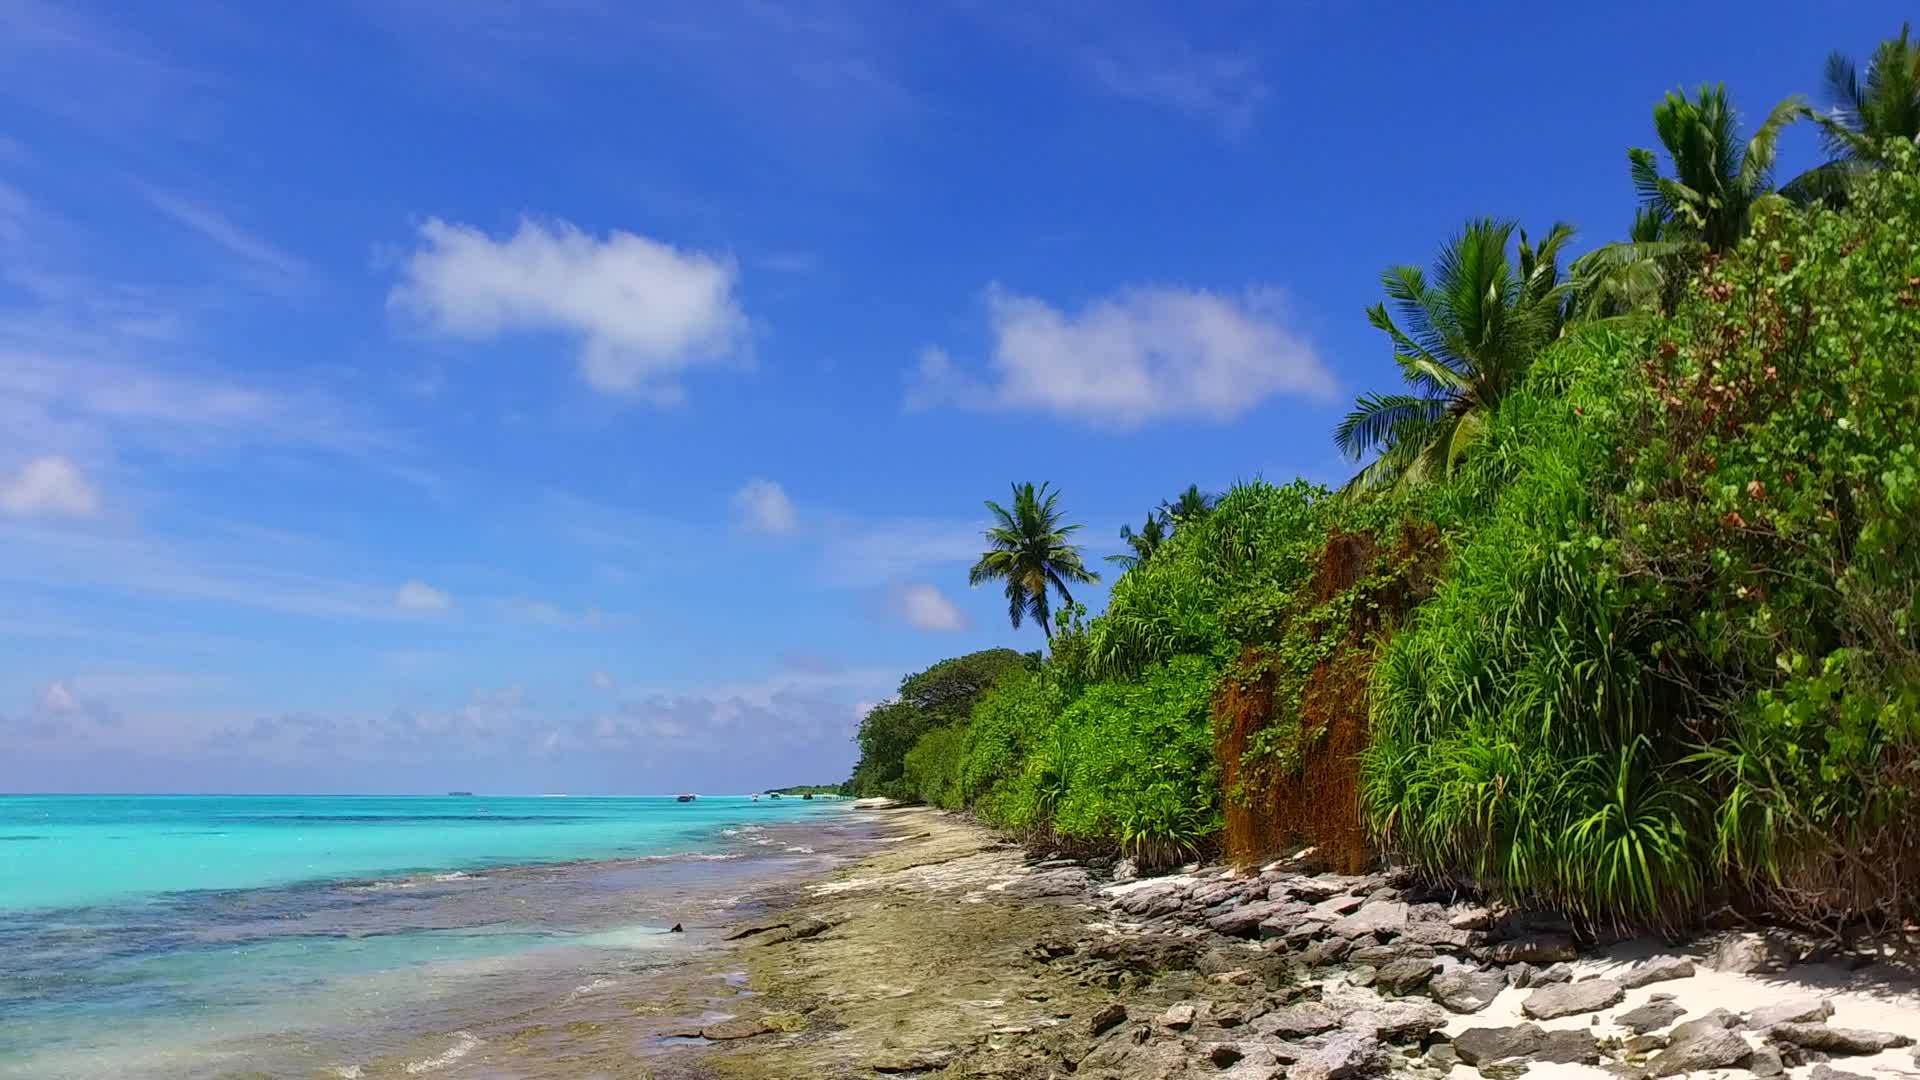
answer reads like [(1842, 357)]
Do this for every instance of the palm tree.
[(1190, 505), (1029, 550), (1142, 544), (1860, 120), (1717, 179), (1886, 107), (1638, 275), (1462, 343)]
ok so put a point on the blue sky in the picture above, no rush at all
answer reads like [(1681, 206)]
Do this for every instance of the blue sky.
[(426, 395)]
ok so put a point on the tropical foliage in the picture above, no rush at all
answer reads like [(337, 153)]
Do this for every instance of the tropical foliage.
[(1621, 617)]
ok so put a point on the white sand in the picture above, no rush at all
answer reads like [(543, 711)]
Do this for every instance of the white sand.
[(1873, 999)]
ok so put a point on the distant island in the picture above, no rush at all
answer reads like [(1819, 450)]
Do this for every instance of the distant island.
[(806, 790)]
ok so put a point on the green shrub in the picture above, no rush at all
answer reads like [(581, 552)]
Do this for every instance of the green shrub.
[(933, 767)]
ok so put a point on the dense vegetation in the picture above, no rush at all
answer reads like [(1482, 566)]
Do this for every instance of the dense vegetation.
[(1619, 615)]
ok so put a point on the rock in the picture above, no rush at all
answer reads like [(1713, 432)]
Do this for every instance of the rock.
[(910, 1061), (1396, 1021), (1471, 917), (1377, 955), (1362, 974), (682, 1033), (1442, 1055), (1325, 951), (1295, 1021), (1107, 1018), (1178, 1017), (1478, 1045), (1067, 881), (1715, 1020), (1311, 890), (1467, 991), (1658, 969), (1766, 1062), (1344, 1056), (1568, 1047), (1337, 906), (1708, 1049), (677, 929), (1749, 953), (1797, 1011), (1126, 870), (1374, 916), (1645, 1044), (1510, 1069), (740, 1027), (1534, 950), (1824, 1071), (1651, 1016), (1553, 976), (1245, 920), (1404, 976), (1626, 1070), (1520, 975), (1553, 1002), (1436, 935), (1835, 1040)]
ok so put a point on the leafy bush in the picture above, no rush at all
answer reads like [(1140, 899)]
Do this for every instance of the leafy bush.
[(932, 771), (940, 696)]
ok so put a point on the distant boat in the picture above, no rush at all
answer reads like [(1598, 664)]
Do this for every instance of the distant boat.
[(773, 794), (808, 795), (469, 793), (685, 798), (756, 796)]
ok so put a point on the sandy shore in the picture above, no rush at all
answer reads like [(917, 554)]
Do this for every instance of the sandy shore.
[(950, 953)]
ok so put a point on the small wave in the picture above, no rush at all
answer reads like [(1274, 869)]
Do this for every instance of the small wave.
[(380, 886), (463, 1044), (798, 850), (597, 984), (723, 832), (346, 1072), (455, 876)]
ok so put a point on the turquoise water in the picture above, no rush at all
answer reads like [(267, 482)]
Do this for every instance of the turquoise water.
[(190, 936)]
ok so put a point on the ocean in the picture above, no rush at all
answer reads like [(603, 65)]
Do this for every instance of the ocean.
[(188, 936)]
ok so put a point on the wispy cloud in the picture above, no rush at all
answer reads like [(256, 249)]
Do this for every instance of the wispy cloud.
[(762, 506), (48, 486), (1133, 53), (857, 552), (1138, 356), (925, 607), (273, 269)]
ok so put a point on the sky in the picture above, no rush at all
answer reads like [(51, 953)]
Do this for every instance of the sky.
[(417, 395)]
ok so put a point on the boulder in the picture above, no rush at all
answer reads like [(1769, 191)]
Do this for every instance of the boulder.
[(1480, 1045), (1245, 920), (1405, 975), (1344, 1056), (1109, 1017), (1715, 1020), (1377, 955), (1297, 1021), (1650, 1017), (1467, 991), (1824, 1071), (1797, 1011), (1766, 1062), (1552, 976), (1374, 917), (1326, 951), (1573, 1046), (1396, 1021), (1435, 934), (1311, 889), (1835, 1040), (1715, 1048), (1658, 969), (1750, 953), (1125, 870), (1178, 1017), (1471, 917), (1337, 906), (1571, 999)]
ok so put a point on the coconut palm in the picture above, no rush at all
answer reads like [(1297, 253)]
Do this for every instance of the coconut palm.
[(1029, 550), (1716, 178), (1887, 106), (1638, 275), (1141, 545), (1190, 505), (1462, 342)]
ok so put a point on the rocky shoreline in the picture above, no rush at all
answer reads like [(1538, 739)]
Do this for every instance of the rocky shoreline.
[(957, 954)]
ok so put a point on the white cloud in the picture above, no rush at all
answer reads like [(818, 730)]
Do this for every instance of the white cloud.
[(420, 596), (867, 552), (1142, 355), (927, 608), (763, 507), (53, 486), (58, 697), (601, 680), (644, 311), (274, 269)]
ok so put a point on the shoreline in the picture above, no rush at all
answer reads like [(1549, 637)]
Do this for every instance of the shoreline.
[(955, 953)]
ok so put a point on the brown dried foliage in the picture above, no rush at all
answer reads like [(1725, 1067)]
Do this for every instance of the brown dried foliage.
[(1268, 810)]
